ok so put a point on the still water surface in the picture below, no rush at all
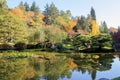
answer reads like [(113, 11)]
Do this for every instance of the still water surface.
[(65, 67)]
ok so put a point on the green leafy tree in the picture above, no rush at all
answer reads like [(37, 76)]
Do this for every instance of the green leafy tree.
[(52, 37), (66, 15), (93, 15), (43, 34), (12, 29), (37, 35), (64, 19)]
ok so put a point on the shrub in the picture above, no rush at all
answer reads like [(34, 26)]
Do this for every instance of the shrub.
[(59, 46), (5, 47), (31, 46), (39, 45), (82, 41), (101, 40), (20, 46), (44, 45), (48, 45)]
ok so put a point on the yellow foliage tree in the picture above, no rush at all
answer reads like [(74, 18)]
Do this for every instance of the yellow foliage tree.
[(70, 25), (61, 21), (95, 29)]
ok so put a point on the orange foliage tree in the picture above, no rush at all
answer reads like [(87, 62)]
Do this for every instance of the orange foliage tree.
[(18, 12), (40, 18), (95, 29), (30, 20), (70, 25), (30, 16), (71, 63)]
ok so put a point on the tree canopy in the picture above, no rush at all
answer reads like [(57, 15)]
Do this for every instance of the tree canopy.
[(28, 23), (12, 29)]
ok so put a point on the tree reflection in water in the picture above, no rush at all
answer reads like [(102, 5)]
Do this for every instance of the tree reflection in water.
[(93, 63), (54, 68)]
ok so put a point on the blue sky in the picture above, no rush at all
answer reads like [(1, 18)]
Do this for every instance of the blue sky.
[(107, 10)]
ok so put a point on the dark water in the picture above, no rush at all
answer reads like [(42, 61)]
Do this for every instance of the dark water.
[(69, 67)]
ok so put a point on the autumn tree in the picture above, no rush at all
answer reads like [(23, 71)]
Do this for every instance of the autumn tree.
[(70, 25), (61, 22), (64, 20), (12, 29), (19, 13), (94, 24), (95, 29), (40, 18), (29, 20)]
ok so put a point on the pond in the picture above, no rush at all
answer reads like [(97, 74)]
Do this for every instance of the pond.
[(61, 67)]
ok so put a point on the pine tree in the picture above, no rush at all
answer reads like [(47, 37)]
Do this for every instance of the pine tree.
[(83, 23), (51, 13), (33, 7), (21, 6), (93, 15), (36, 11), (103, 27), (26, 5)]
